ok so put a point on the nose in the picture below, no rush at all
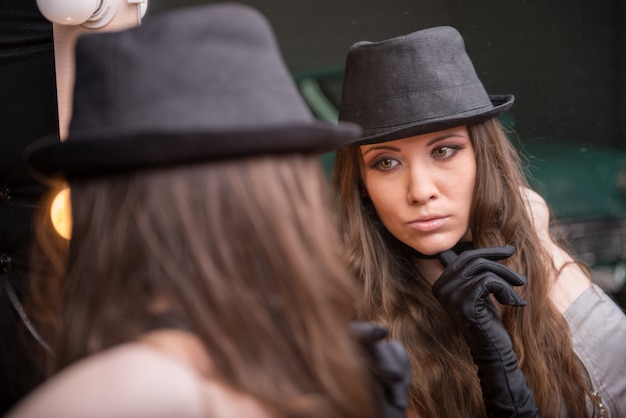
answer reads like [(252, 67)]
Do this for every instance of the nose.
[(421, 186)]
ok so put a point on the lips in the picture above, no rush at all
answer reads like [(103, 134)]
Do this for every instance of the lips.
[(427, 224)]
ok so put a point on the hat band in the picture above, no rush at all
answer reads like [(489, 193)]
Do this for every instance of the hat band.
[(423, 106)]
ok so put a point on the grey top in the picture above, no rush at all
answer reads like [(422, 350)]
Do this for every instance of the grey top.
[(598, 328)]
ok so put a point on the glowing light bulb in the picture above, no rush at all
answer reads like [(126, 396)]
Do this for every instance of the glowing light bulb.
[(61, 213)]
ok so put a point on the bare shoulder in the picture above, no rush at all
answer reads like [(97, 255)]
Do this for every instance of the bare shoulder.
[(539, 210), (129, 380), (572, 280)]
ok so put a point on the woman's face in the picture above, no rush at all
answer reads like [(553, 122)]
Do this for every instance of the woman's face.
[(422, 187)]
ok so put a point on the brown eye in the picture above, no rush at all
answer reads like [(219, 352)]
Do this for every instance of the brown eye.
[(441, 152), (385, 164), (446, 151)]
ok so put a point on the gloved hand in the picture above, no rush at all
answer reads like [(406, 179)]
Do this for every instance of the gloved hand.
[(390, 367), (463, 289)]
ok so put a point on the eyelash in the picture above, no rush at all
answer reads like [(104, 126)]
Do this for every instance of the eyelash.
[(376, 164), (454, 148)]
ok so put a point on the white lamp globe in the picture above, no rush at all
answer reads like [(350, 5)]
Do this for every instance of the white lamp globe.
[(68, 12)]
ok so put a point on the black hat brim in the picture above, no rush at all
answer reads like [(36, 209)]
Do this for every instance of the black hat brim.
[(82, 157), (500, 104)]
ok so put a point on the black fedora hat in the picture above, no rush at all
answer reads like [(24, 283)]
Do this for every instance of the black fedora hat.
[(188, 85), (414, 84)]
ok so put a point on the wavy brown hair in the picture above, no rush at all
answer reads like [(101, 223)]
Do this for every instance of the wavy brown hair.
[(245, 252), (444, 379)]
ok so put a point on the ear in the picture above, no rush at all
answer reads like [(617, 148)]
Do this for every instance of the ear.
[(363, 191)]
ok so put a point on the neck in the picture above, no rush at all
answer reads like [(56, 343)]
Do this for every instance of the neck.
[(181, 344), (430, 268)]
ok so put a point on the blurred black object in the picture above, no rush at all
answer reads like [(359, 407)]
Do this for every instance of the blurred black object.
[(28, 111), (390, 366)]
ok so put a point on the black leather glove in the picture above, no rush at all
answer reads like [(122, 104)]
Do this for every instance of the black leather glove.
[(390, 367), (463, 289)]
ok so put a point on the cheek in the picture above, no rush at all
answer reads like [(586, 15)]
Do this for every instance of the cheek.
[(467, 181), (458, 186), (381, 197), (385, 197)]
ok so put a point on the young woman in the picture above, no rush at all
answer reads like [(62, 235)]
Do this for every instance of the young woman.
[(434, 171), (203, 276)]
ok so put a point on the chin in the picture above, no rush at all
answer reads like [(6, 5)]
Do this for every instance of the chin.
[(433, 249), (435, 246)]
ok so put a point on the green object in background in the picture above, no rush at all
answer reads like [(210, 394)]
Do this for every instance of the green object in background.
[(578, 181), (328, 159), (317, 100), (323, 104)]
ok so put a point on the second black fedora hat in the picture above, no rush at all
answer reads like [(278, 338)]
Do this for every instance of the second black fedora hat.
[(188, 85)]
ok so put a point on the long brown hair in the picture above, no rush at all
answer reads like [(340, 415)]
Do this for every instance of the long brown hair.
[(444, 380), (245, 252)]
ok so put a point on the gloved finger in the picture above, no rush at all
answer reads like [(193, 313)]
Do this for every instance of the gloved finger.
[(482, 265), (392, 359), (367, 333), (446, 257), (394, 368), (467, 291), (491, 253), (504, 293)]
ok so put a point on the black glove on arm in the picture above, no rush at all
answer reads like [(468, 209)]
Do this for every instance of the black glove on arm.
[(390, 367), (463, 289)]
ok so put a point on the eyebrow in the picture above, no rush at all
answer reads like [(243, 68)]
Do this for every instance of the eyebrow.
[(379, 147), (431, 142)]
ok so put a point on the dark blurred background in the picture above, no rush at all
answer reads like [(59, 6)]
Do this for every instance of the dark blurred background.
[(28, 110), (564, 60)]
